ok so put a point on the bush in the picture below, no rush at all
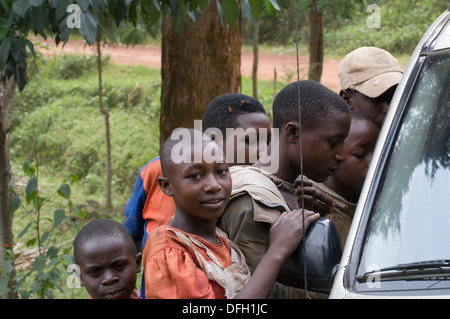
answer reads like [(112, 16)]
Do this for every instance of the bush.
[(61, 118), (71, 66), (402, 26)]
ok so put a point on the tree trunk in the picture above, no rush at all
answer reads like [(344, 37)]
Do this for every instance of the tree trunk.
[(200, 63), (7, 91), (315, 43), (106, 114), (255, 59)]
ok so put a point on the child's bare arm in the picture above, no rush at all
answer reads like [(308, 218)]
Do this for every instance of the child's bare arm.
[(285, 236)]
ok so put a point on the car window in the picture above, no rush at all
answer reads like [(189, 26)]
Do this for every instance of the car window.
[(410, 217)]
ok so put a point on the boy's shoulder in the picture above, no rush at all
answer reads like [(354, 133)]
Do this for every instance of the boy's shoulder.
[(258, 184)]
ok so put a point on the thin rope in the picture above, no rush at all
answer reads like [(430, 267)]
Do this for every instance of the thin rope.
[(301, 151)]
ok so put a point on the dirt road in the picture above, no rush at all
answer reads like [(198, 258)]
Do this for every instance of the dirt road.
[(150, 56)]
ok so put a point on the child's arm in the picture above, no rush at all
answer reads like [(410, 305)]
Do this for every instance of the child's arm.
[(285, 235)]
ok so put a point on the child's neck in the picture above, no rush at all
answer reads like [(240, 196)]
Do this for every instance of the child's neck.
[(203, 228)]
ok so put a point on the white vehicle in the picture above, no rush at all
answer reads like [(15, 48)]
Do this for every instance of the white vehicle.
[(399, 241)]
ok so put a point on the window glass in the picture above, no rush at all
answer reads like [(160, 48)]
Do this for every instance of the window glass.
[(410, 219)]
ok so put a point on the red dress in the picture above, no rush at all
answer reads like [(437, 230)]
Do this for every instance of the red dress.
[(179, 265)]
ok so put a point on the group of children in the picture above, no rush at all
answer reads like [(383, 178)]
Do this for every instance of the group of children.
[(200, 227)]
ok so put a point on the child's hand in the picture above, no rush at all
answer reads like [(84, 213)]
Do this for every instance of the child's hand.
[(313, 198), (287, 231), (285, 236)]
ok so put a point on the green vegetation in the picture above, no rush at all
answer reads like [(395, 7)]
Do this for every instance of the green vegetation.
[(402, 24), (63, 112)]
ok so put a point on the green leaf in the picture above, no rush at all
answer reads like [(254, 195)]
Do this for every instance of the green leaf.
[(21, 6), (68, 259), (31, 242), (52, 252), (150, 13), (26, 166), (5, 48), (230, 10), (19, 52), (14, 204), (64, 191), (30, 46), (61, 9), (20, 76), (44, 237), (39, 263), (74, 177), (58, 216), (31, 187), (173, 5), (275, 4), (201, 4), (88, 27), (4, 289), (256, 8), (23, 232), (84, 4)]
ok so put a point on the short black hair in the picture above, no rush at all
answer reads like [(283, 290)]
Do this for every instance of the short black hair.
[(165, 152), (317, 102), (223, 110), (98, 229)]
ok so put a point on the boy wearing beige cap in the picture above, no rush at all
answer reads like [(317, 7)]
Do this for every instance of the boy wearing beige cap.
[(369, 77)]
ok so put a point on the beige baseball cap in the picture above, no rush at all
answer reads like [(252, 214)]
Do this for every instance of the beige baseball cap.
[(370, 71)]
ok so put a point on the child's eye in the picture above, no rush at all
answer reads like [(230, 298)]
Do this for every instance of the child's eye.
[(194, 176), (93, 272), (120, 266), (222, 171), (333, 143)]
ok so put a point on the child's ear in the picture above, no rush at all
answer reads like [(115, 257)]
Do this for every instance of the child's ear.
[(165, 186), (292, 132), (138, 262), (347, 98)]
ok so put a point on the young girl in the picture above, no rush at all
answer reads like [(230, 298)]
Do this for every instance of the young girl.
[(187, 258)]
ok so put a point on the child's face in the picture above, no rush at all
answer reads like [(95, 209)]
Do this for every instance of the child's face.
[(199, 189), (358, 148), (252, 147), (108, 268), (323, 150), (374, 108)]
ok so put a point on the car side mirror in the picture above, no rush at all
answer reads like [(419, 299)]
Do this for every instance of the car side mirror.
[(323, 254)]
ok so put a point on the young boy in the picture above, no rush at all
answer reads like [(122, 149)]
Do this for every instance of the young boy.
[(369, 77), (258, 198), (345, 185), (105, 252), (187, 258)]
